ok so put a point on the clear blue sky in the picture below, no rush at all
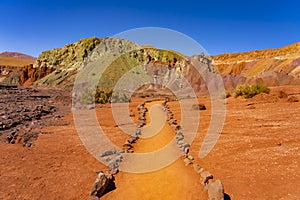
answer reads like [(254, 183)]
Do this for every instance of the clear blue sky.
[(219, 26)]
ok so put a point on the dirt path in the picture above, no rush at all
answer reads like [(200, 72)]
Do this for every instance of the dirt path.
[(175, 181)]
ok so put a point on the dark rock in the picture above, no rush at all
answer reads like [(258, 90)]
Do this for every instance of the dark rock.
[(132, 140), (113, 171), (186, 148), (112, 164), (108, 153), (292, 99), (100, 184), (205, 177), (282, 94), (198, 107), (179, 136), (138, 132), (127, 145)]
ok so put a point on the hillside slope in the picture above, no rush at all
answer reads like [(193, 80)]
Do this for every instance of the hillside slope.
[(59, 67), (271, 66)]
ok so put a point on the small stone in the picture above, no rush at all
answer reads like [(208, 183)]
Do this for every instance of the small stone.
[(197, 168), (132, 140), (292, 99), (186, 148), (119, 158), (180, 142), (127, 145), (130, 151), (187, 161), (108, 153), (205, 177), (179, 136), (112, 164), (113, 171), (190, 157)]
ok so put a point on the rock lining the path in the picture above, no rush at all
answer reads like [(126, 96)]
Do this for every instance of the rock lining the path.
[(215, 189), (114, 157), (100, 185)]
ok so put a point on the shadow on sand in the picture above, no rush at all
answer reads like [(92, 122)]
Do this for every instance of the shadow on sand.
[(111, 186), (227, 197)]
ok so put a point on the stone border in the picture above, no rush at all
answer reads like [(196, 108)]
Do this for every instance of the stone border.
[(114, 157), (214, 189)]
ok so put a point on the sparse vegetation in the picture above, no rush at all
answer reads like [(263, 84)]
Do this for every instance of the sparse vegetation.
[(249, 91), (103, 96), (12, 79), (120, 97), (100, 96), (87, 97)]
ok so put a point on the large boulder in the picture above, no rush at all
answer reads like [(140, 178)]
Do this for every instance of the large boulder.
[(100, 185), (215, 190)]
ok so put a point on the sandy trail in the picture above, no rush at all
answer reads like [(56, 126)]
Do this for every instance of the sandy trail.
[(175, 181)]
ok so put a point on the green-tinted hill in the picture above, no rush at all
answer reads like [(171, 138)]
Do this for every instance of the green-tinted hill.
[(59, 67)]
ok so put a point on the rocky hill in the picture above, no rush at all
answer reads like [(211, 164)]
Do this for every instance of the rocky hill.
[(270, 67), (59, 67), (59, 61)]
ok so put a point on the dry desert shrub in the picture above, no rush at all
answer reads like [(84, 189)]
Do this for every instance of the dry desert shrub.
[(249, 91)]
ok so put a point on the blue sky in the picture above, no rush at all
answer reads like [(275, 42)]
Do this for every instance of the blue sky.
[(219, 26)]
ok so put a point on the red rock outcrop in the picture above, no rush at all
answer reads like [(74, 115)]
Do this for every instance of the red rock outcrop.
[(31, 74)]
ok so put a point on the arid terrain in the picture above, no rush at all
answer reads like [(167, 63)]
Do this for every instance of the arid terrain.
[(44, 157), (159, 100), (256, 156)]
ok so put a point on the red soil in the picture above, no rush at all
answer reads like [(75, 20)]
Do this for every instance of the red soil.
[(256, 157)]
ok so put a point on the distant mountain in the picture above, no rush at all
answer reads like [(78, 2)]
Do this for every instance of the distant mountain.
[(17, 55), (15, 59), (270, 67), (258, 62)]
